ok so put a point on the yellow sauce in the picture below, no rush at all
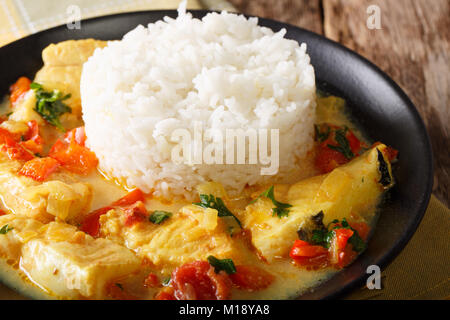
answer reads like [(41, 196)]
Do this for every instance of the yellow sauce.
[(290, 282)]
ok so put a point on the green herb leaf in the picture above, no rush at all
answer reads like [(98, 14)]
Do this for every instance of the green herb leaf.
[(209, 201), (35, 86), (226, 265), (343, 144), (332, 222), (5, 229), (281, 209), (118, 285), (344, 224), (158, 216), (50, 105), (323, 237), (357, 242), (321, 135), (166, 281)]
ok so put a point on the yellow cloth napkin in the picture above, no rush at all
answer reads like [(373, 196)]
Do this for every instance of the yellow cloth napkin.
[(19, 18), (421, 271)]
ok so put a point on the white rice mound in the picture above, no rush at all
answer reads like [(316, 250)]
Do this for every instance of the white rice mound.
[(224, 71)]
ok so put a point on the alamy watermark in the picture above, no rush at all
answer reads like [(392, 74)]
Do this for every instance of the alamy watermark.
[(229, 146), (374, 280), (73, 17), (374, 19)]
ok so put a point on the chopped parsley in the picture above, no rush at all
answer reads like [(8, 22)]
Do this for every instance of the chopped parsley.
[(324, 237), (158, 216), (50, 105), (319, 234), (357, 242), (166, 281), (343, 144), (209, 201), (5, 229), (321, 135), (281, 209), (226, 265)]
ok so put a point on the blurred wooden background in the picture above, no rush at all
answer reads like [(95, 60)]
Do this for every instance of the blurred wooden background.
[(412, 46)]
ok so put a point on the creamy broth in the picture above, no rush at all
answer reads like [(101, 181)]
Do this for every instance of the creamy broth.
[(306, 189), (291, 281)]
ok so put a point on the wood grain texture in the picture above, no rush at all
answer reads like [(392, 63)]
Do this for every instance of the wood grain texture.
[(303, 13), (412, 46)]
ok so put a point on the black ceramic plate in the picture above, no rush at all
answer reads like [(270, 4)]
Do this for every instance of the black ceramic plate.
[(374, 100)]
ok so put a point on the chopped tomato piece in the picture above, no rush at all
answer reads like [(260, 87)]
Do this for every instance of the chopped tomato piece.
[(135, 214), (355, 143), (12, 148), (33, 131), (339, 253), (91, 224), (308, 255), (337, 147), (151, 281), (22, 150), (15, 151), (130, 198), (304, 249), (39, 168), (342, 236), (21, 86), (33, 140), (7, 137), (346, 256), (77, 159), (251, 278), (2, 213), (73, 156), (198, 281), (76, 135), (58, 147), (362, 228), (327, 159), (32, 146), (313, 262), (165, 294)]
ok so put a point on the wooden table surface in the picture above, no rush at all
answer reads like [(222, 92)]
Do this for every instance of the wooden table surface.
[(412, 46)]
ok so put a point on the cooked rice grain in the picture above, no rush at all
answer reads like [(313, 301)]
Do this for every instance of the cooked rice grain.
[(223, 70)]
